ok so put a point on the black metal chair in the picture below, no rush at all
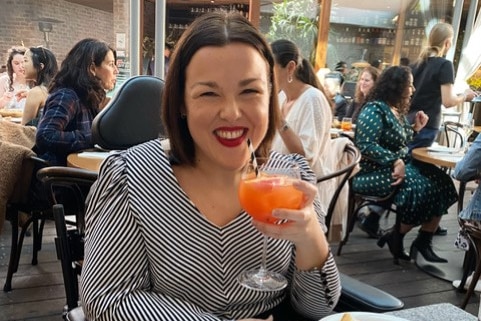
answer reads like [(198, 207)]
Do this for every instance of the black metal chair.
[(132, 116), (36, 214), (474, 235), (343, 175), (356, 295), (358, 201), (454, 134), (68, 189)]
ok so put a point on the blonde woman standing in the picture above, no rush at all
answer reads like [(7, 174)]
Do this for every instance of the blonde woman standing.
[(434, 83)]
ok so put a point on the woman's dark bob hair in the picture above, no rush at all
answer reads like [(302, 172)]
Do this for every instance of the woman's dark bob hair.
[(211, 29)]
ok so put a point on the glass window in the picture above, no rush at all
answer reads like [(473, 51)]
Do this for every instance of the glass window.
[(381, 33)]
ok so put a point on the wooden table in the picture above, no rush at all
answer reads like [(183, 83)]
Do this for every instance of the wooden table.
[(436, 158), (87, 160), (335, 133), (477, 129), (13, 115)]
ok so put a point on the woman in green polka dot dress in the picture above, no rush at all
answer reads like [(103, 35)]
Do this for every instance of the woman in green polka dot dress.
[(425, 191)]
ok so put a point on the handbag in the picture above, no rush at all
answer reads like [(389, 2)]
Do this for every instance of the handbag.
[(462, 240)]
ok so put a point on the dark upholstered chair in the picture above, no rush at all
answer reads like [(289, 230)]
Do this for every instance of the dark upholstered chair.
[(132, 116), (68, 187), (359, 296)]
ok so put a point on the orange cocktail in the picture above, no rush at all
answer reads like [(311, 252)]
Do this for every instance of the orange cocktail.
[(346, 124), (260, 195)]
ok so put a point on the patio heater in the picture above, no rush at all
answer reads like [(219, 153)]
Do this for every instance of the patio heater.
[(45, 27)]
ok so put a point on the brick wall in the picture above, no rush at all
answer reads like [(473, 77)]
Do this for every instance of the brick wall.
[(19, 22)]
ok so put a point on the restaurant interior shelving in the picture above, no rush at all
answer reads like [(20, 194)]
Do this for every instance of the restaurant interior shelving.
[(371, 39), (180, 15)]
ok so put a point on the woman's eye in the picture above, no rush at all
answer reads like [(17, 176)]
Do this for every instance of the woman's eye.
[(207, 94), (250, 91)]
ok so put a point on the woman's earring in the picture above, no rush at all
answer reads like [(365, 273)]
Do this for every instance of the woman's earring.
[(289, 79)]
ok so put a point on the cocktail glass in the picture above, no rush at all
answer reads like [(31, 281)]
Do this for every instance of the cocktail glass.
[(262, 190)]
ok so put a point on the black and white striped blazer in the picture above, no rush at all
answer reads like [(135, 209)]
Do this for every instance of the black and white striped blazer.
[(151, 255)]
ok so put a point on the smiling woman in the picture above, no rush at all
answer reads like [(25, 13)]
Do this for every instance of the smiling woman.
[(219, 92)]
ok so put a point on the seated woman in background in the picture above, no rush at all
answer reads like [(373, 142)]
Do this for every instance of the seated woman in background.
[(305, 110), (14, 81), (220, 91), (338, 101), (382, 134), (77, 93), (364, 85), (40, 67)]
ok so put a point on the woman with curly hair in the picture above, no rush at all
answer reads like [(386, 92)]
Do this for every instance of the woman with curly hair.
[(76, 95), (425, 192)]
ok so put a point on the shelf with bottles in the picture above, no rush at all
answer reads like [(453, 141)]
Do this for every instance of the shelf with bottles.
[(351, 34), (180, 15)]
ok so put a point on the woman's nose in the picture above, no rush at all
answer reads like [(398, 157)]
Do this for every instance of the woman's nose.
[(230, 111)]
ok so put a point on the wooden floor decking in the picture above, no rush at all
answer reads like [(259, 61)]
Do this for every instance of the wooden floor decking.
[(38, 292)]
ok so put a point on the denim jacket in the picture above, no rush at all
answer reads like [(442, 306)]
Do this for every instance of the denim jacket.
[(467, 169)]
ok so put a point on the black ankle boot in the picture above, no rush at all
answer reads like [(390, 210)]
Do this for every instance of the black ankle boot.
[(394, 240), (370, 224), (423, 245)]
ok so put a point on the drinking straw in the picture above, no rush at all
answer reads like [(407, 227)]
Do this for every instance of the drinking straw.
[(253, 157)]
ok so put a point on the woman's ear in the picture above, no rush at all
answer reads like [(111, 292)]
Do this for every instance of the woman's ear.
[(291, 67), (42, 66), (92, 69)]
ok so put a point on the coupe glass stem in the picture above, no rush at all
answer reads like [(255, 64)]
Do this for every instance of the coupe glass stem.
[(264, 254)]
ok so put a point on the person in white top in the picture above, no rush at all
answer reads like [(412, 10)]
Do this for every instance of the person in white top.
[(305, 109), (40, 67), (14, 80)]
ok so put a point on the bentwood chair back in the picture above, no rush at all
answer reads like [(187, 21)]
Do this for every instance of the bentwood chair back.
[(24, 211), (358, 201), (132, 116), (68, 190), (342, 175), (474, 235), (454, 134)]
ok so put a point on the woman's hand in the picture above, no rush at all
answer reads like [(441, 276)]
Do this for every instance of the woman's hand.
[(469, 94), (420, 120), (299, 222), (302, 228), (398, 172), (21, 94), (6, 98)]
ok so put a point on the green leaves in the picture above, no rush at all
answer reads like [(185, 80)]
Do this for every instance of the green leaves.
[(296, 20)]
